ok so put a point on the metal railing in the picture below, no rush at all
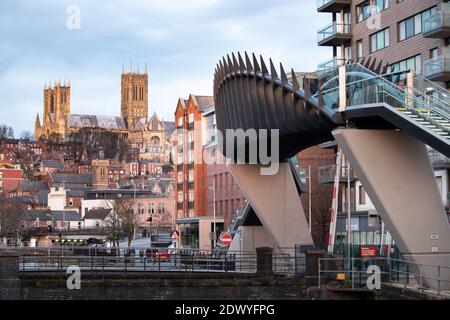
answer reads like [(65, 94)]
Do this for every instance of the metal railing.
[(99, 259), (353, 273), (328, 65), (363, 87), (327, 174), (333, 29), (438, 19), (435, 66)]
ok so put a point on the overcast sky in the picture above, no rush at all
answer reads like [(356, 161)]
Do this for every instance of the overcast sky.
[(181, 41)]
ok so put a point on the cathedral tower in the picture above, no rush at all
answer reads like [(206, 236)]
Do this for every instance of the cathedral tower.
[(134, 101), (56, 117)]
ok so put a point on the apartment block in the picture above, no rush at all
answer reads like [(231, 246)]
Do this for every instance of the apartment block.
[(403, 34)]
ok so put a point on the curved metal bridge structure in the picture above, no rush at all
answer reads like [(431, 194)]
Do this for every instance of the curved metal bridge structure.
[(248, 96), (382, 128)]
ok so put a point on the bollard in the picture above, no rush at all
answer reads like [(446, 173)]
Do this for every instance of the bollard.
[(264, 261)]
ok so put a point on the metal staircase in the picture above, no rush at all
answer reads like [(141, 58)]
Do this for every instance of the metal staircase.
[(411, 109)]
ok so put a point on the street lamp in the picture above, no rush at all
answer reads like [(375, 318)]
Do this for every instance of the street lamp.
[(150, 229), (214, 210)]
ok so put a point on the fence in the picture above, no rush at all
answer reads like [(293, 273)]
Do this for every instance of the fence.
[(283, 261), (353, 273)]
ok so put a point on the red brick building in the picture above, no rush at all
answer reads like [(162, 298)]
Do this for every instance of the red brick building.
[(311, 160), (190, 171), (10, 178)]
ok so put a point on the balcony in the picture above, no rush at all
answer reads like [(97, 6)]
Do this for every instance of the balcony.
[(329, 65), (332, 5), (334, 34), (327, 174), (438, 160), (437, 24), (437, 69)]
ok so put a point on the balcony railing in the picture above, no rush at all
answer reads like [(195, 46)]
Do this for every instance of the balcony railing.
[(332, 5), (438, 159), (327, 174), (334, 34), (437, 24), (437, 69), (324, 67)]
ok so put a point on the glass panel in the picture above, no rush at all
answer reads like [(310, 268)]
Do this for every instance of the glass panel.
[(386, 38), (380, 40), (418, 64), (363, 240), (409, 27), (402, 30), (418, 24)]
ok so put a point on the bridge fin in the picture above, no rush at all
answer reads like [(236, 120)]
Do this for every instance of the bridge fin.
[(373, 65), (225, 67), (295, 81), (255, 63), (235, 63), (306, 88), (230, 65), (241, 62), (379, 67), (248, 62), (273, 71), (284, 78), (385, 68), (221, 70), (263, 66)]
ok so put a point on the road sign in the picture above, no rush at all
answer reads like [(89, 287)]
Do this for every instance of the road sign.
[(226, 239), (369, 251), (174, 235)]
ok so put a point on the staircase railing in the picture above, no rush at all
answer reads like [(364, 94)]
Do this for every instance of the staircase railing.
[(365, 87)]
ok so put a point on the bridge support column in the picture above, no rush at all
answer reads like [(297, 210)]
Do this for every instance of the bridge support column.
[(276, 201), (396, 172)]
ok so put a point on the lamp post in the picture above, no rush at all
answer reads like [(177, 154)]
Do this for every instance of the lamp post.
[(150, 229), (214, 212)]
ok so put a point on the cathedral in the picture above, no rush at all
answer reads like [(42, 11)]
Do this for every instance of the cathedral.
[(149, 135)]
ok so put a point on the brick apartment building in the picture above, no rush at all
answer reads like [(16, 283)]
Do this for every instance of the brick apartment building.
[(201, 188), (404, 34)]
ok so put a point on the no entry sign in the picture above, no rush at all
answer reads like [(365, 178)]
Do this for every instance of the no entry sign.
[(226, 239)]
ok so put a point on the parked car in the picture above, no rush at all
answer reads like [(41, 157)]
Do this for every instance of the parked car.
[(163, 255)]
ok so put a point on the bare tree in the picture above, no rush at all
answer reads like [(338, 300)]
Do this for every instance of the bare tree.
[(27, 135), (122, 221), (6, 132)]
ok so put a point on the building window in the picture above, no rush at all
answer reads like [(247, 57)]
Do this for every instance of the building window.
[(359, 49), (413, 63), (434, 53), (379, 40), (363, 11), (362, 195), (381, 5), (413, 25)]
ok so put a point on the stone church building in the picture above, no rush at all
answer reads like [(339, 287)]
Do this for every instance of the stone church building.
[(151, 136)]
